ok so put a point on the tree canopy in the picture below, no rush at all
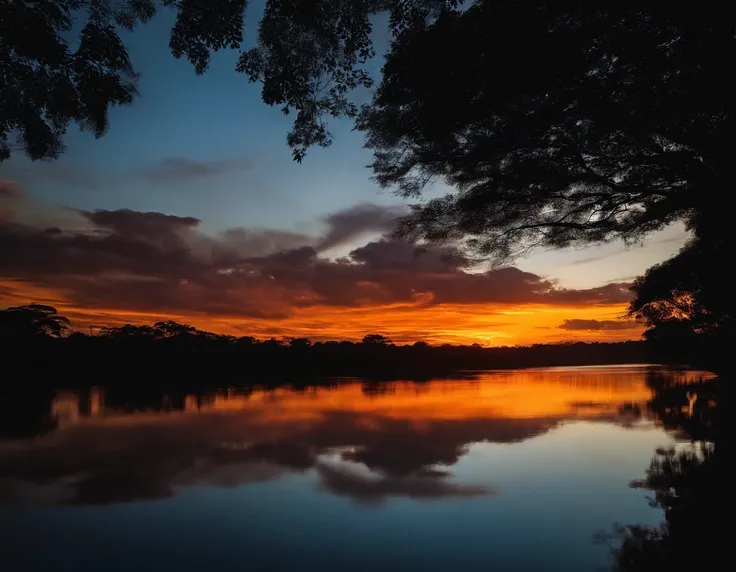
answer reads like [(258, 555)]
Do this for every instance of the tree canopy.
[(688, 300), (32, 320), (64, 62), (558, 123)]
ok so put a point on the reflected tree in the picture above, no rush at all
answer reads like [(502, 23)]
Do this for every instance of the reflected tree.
[(691, 484), (26, 414)]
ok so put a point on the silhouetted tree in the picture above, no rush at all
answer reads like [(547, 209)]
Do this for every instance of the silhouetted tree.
[(128, 331), (32, 320), (51, 79), (309, 57), (377, 339), (171, 329), (558, 123), (687, 301), (46, 85), (299, 343)]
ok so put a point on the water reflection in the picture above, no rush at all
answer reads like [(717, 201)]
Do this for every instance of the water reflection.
[(691, 482), (364, 441)]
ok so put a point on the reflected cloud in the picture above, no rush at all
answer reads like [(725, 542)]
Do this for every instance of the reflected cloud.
[(345, 481), (100, 447)]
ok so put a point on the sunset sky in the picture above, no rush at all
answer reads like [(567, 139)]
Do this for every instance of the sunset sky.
[(192, 209)]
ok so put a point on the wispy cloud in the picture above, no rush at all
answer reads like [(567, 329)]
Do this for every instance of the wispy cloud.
[(179, 169)]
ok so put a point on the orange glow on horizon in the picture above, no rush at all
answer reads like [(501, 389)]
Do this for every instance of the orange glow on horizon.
[(405, 323)]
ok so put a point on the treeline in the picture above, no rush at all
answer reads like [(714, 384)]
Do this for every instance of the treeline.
[(37, 337)]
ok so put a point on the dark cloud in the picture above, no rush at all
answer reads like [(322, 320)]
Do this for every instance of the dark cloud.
[(395, 254), (179, 169), (151, 227), (364, 489), (9, 190), (359, 219), (263, 242), (599, 325), (154, 262)]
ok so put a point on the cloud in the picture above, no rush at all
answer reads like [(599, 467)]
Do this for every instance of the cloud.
[(362, 218), (386, 254), (263, 242), (599, 325), (343, 480), (132, 446), (682, 238), (160, 263), (149, 457), (591, 259), (142, 226), (180, 169), (9, 190)]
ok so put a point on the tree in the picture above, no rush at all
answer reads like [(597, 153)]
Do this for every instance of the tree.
[(687, 301), (128, 332), (376, 339), (33, 320), (53, 76), (299, 343), (558, 123), (170, 329), (309, 57), (45, 84)]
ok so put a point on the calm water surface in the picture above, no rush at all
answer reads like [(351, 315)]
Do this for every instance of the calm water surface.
[(513, 470)]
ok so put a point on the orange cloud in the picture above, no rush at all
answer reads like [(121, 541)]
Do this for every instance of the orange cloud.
[(122, 266), (483, 324)]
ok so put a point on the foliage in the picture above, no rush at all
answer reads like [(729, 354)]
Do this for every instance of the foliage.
[(33, 320), (309, 57), (377, 339), (559, 123), (688, 299), (64, 62), (46, 83)]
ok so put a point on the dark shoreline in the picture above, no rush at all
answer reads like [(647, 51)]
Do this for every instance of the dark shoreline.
[(98, 361)]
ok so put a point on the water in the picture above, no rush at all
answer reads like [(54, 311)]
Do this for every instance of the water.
[(513, 470)]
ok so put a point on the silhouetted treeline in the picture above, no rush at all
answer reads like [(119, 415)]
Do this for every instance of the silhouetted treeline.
[(247, 356), (38, 338)]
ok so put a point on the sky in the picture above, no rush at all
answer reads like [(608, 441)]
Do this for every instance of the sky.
[(191, 208)]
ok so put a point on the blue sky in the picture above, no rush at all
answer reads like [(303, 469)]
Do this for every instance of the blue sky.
[(216, 119)]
